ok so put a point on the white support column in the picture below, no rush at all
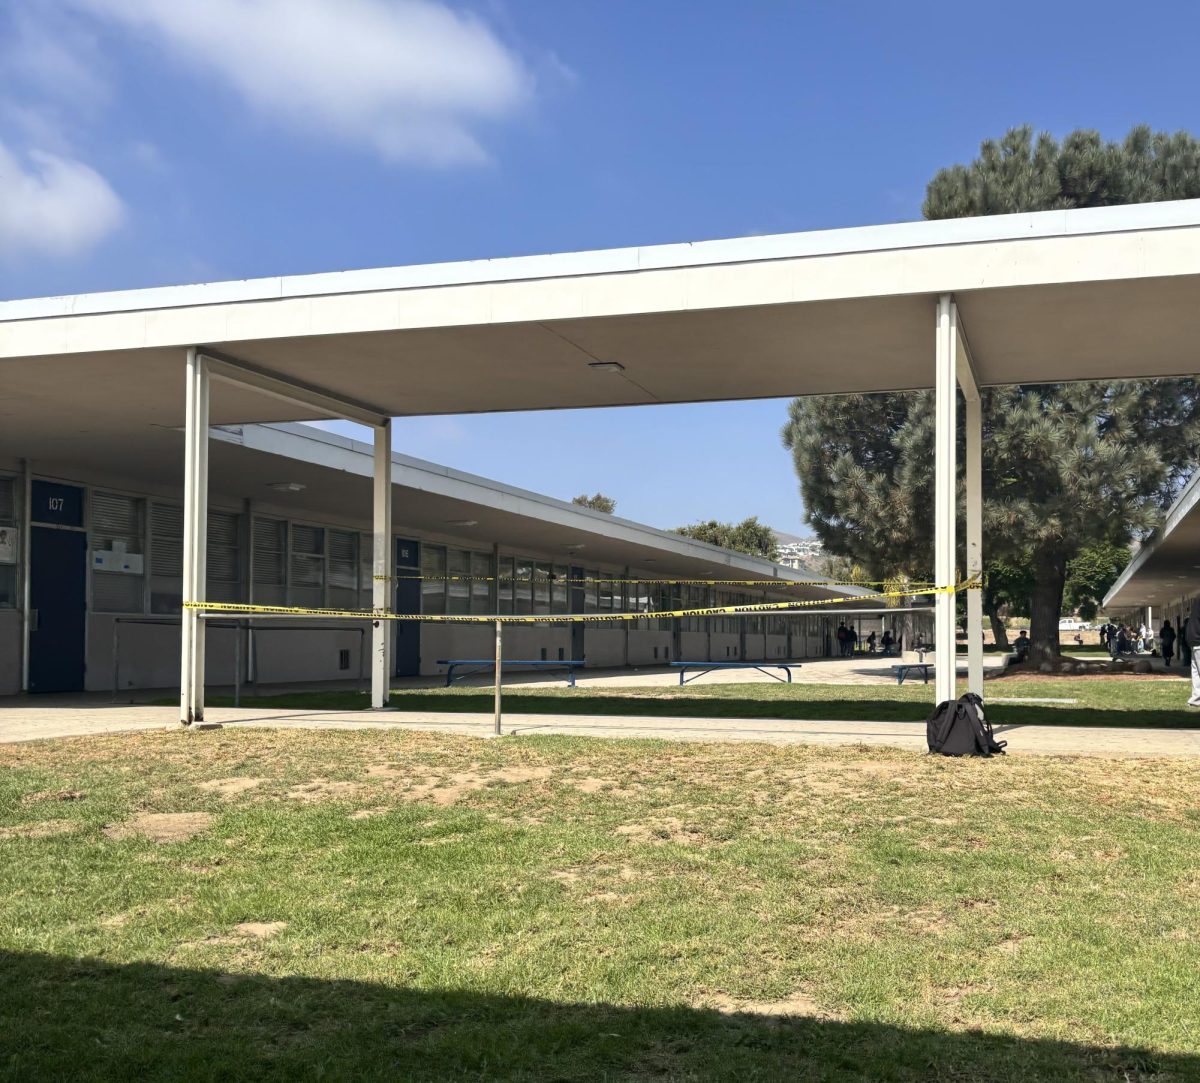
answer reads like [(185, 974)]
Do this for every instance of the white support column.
[(195, 538), (384, 565), (945, 496), (974, 486)]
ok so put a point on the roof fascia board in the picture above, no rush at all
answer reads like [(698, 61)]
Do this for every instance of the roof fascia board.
[(856, 239), (1187, 500)]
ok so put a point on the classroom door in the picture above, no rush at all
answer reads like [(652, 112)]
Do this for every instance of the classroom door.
[(58, 599), (406, 643), (577, 595)]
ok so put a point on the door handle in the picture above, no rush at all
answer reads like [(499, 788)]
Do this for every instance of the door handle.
[(33, 620)]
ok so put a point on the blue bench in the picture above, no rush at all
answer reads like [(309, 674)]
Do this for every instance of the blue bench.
[(901, 671), (709, 667), (482, 665)]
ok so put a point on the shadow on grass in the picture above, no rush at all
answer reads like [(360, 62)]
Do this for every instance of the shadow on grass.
[(85, 1019), (684, 706)]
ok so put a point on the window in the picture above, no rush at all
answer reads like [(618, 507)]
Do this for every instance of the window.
[(523, 586), (166, 558), (458, 568), (366, 573), (270, 561), (10, 553), (560, 590), (541, 587), (343, 569), (433, 585), (504, 584), (117, 544), (481, 584), (307, 565), (224, 560)]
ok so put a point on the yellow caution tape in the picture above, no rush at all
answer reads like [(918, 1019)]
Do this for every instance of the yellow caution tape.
[(565, 618), (773, 583)]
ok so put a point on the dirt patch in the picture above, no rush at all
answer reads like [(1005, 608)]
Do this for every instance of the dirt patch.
[(321, 789), (368, 813), (230, 787), (452, 788), (39, 830), (260, 930), (658, 832), (162, 826), (798, 1004), (53, 795)]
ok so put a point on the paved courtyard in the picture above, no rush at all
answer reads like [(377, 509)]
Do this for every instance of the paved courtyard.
[(26, 720)]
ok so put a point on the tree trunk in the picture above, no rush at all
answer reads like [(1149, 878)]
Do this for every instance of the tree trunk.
[(999, 632), (1045, 606)]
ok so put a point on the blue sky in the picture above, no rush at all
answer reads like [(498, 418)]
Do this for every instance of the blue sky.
[(145, 142)]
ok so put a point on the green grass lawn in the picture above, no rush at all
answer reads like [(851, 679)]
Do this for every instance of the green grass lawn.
[(394, 905), (1125, 700)]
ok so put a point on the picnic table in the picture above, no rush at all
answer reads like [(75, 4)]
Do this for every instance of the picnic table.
[(903, 668), (482, 665), (708, 667)]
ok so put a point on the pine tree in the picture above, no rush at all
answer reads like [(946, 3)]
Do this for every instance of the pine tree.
[(1065, 465)]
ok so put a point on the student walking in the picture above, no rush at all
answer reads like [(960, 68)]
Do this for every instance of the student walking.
[(1167, 637), (1192, 628)]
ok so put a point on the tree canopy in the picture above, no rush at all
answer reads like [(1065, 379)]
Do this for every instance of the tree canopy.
[(597, 502), (748, 536), (1066, 466)]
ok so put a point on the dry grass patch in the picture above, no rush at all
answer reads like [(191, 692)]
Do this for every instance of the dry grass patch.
[(230, 787), (39, 830), (162, 826)]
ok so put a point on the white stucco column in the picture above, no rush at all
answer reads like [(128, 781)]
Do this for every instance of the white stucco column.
[(195, 538), (974, 493), (945, 495), (383, 565)]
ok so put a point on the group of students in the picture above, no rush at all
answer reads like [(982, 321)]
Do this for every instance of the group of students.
[(1122, 639), (848, 641), (1184, 641)]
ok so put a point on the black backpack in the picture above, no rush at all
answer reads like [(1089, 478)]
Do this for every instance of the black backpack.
[(960, 728)]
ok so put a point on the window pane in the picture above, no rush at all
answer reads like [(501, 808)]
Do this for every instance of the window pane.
[(459, 569), (559, 595), (481, 585), (523, 586), (541, 587), (117, 528), (507, 569), (433, 585)]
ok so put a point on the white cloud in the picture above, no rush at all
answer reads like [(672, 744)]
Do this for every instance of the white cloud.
[(53, 204), (408, 78)]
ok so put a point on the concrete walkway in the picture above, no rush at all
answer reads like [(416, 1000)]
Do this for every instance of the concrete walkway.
[(28, 723)]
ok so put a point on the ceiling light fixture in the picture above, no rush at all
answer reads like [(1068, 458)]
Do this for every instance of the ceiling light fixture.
[(462, 522), (606, 366), (287, 486)]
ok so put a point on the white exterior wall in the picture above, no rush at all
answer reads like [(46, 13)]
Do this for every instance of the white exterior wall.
[(726, 647), (642, 645), (603, 647), (695, 647), (776, 646)]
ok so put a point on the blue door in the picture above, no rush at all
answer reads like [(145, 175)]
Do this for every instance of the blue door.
[(57, 596), (407, 639)]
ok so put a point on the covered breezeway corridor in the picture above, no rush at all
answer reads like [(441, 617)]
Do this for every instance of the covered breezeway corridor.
[(953, 305)]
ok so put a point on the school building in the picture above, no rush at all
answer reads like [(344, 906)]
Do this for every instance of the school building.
[(1163, 577), (91, 568)]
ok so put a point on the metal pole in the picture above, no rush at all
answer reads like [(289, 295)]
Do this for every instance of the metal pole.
[(499, 662), (945, 496), (237, 663)]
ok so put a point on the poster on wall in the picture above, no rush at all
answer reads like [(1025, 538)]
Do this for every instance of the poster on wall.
[(8, 545)]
